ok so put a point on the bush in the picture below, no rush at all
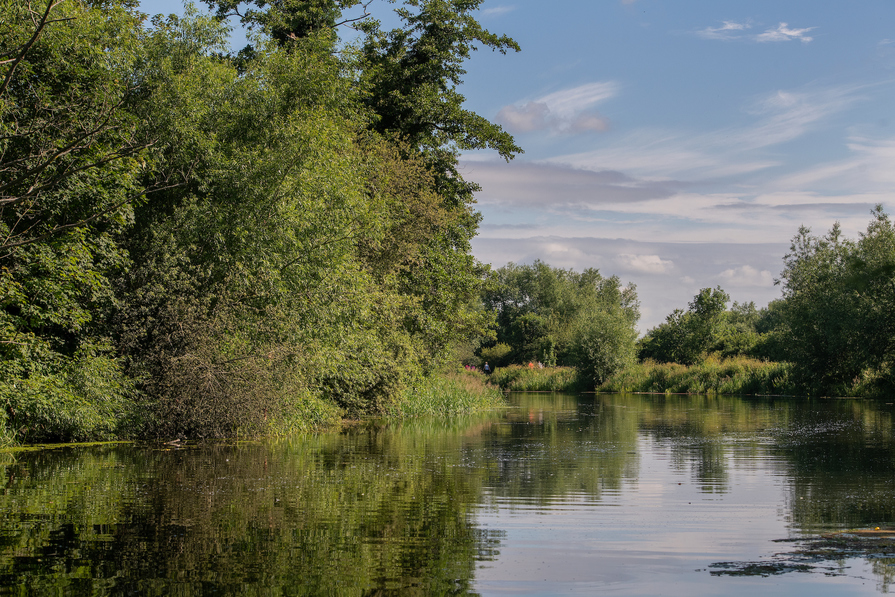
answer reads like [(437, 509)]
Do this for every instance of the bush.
[(447, 394), (604, 345), (740, 375), (497, 355), (84, 397)]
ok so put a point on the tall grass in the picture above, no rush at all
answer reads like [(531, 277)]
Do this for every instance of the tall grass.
[(451, 393), (739, 375), (521, 378)]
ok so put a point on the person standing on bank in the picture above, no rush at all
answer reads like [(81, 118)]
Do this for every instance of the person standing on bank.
[(487, 369)]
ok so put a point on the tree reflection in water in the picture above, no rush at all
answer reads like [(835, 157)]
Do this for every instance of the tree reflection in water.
[(398, 507)]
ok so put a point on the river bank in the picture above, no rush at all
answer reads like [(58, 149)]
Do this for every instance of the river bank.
[(740, 375)]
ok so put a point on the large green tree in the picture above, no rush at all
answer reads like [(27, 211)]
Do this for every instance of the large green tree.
[(836, 319), (203, 244), (72, 159), (407, 80), (687, 336)]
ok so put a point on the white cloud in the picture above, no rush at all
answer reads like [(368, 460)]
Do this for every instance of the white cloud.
[(552, 199), (787, 115), (568, 102), (497, 11), (566, 111), (650, 264), (589, 122), (784, 33), (866, 171), (745, 276), (533, 116), (727, 31), (732, 30)]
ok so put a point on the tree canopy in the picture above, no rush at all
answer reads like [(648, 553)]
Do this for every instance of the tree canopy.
[(564, 317), (203, 244), (836, 320)]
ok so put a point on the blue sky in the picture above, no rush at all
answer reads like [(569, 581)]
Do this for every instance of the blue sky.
[(680, 145)]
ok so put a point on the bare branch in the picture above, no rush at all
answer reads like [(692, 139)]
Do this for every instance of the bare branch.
[(365, 6), (73, 146), (34, 191)]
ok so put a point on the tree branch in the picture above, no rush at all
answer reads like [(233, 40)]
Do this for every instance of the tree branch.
[(57, 229), (367, 13), (72, 146), (51, 4)]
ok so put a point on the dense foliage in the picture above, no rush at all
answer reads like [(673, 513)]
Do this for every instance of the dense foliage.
[(534, 379), (202, 244), (836, 320), (835, 323), (561, 317), (735, 375), (706, 328)]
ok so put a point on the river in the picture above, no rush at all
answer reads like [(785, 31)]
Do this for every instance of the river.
[(555, 495)]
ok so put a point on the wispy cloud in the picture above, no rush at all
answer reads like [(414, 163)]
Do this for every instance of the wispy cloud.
[(729, 30), (885, 53), (867, 169), (569, 111), (732, 30), (497, 11), (557, 187), (784, 33), (778, 118), (786, 115)]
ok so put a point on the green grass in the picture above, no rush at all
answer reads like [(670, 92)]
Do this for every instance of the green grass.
[(451, 393), (740, 375), (520, 378)]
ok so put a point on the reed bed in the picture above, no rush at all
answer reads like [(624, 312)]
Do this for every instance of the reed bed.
[(739, 375), (452, 393), (521, 378)]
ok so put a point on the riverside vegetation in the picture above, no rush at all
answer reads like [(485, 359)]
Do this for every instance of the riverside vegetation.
[(196, 243), (199, 243), (832, 333)]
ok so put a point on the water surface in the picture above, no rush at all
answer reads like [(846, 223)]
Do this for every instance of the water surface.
[(557, 495)]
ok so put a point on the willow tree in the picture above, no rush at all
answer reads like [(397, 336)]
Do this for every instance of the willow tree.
[(407, 81)]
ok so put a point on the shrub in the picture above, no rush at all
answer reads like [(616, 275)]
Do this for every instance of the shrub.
[(497, 355), (522, 378), (741, 375), (447, 394)]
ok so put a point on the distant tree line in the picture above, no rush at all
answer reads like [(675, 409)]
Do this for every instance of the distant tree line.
[(561, 317), (835, 321), (200, 243)]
